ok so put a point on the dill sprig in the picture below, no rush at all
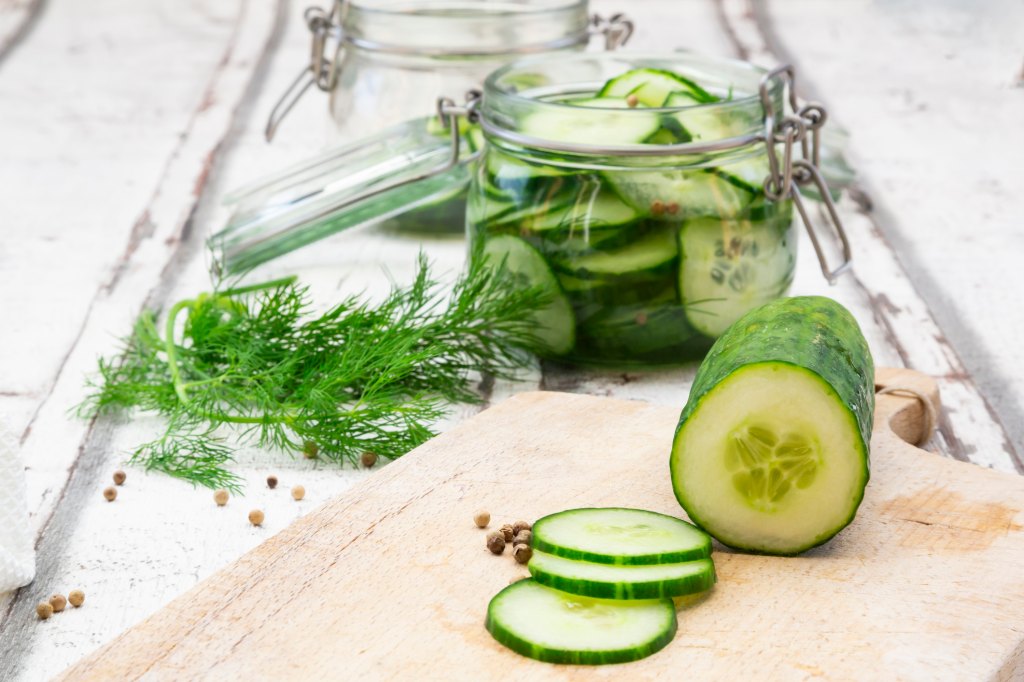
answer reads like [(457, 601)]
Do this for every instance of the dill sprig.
[(253, 366)]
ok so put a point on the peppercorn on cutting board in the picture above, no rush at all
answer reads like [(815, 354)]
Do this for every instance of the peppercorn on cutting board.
[(392, 579)]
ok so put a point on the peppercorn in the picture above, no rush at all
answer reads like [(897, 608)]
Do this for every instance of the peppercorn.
[(519, 526), (58, 602), (522, 553), (673, 208), (221, 497), (481, 519), (119, 477), (369, 459), (657, 207), (298, 492), (256, 517), (44, 610), (310, 449), (640, 318), (110, 493), (496, 542), (271, 481), (506, 531), (632, 101), (76, 597), (523, 537)]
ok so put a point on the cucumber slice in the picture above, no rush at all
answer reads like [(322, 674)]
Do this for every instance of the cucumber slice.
[(555, 326), (653, 86), (555, 627), (614, 126), (606, 581), (730, 267), (655, 332), (602, 103), (771, 452), (654, 252), (672, 195), (584, 213), (614, 535)]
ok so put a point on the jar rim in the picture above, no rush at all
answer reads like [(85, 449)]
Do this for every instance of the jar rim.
[(503, 102), (464, 28)]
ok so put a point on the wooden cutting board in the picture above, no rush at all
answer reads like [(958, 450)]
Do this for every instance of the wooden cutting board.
[(391, 580)]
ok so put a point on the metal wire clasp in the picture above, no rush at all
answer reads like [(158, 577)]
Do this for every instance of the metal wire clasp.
[(320, 70), (616, 29), (787, 176)]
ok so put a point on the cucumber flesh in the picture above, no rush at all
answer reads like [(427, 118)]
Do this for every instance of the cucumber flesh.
[(555, 627), (620, 536), (555, 328), (614, 126), (652, 87), (681, 194), (652, 252), (730, 267), (607, 581), (771, 452)]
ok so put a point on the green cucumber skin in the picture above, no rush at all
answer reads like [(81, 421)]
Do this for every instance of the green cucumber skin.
[(814, 333), (538, 653), (661, 589), (541, 545)]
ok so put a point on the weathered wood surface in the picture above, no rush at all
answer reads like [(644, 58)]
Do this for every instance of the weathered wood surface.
[(391, 580), (150, 113)]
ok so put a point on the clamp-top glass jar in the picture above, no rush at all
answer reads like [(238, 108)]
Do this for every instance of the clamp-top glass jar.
[(385, 61), (655, 227), (651, 196)]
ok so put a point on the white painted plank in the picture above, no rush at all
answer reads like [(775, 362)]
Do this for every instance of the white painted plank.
[(932, 95), (15, 18)]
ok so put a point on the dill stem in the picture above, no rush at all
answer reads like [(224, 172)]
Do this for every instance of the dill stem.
[(172, 350)]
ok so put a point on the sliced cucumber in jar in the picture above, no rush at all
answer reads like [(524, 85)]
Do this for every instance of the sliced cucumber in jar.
[(615, 535), (652, 253), (730, 267), (555, 627), (673, 195), (555, 324), (608, 581), (611, 127), (652, 87)]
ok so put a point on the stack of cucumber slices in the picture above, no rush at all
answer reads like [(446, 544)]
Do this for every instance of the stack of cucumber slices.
[(602, 585), (645, 265)]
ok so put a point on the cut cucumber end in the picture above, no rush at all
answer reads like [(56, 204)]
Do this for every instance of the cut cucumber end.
[(771, 460), (614, 535), (552, 626), (606, 581)]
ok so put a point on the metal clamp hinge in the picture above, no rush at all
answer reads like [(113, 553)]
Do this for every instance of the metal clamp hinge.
[(616, 29), (320, 71), (787, 176)]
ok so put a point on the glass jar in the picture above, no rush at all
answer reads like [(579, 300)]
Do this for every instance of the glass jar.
[(652, 229), (384, 61)]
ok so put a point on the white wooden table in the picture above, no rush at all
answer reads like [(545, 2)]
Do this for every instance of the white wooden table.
[(122, 124)]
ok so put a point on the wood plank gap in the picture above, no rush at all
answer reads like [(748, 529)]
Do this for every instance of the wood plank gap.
[(17, 19)]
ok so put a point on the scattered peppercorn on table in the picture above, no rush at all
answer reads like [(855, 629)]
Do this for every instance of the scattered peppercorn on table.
[(116, 173)]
